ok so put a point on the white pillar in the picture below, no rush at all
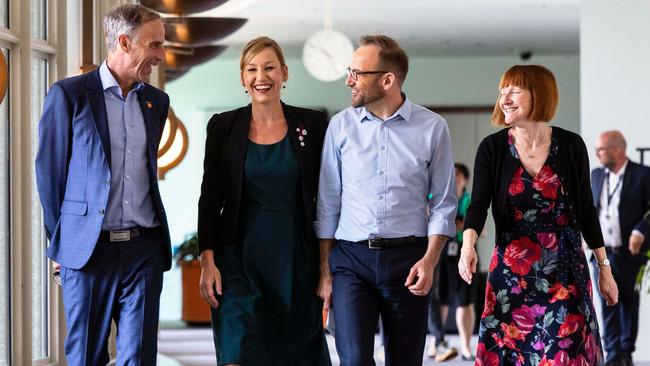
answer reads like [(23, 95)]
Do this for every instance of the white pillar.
[(615, 90)]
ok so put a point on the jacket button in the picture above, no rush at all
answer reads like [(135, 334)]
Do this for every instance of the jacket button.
[(101, 211)]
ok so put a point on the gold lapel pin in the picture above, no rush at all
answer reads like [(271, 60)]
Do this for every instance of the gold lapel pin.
[(149, 104)]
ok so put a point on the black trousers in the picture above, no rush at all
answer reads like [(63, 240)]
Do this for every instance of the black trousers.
[(367, 283)]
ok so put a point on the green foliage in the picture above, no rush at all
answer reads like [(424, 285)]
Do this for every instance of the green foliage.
[(188, 250)]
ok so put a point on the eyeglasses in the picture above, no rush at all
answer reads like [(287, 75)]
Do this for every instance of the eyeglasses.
[(354, 74), (599, 149)]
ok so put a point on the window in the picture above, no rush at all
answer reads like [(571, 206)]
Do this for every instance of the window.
[(31, 324), (4, 13), (39, 19), (4, 225), (40, 278)]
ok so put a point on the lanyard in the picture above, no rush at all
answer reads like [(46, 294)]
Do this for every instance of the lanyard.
[(611, 195)]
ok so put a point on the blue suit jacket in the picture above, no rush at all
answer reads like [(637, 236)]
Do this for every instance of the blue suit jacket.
[(634, 203), (73, 165)]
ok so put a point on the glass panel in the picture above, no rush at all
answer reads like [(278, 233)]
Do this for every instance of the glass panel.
[(4, 227), (39, 262), (39, 19), (4, 13)]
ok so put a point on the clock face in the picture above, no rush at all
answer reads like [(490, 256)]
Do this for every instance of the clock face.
[(326, 54)]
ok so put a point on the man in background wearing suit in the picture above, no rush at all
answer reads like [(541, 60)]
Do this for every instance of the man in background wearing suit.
[(621, 190), (96, 173)]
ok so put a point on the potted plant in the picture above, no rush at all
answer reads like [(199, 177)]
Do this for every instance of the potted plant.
[(194, 308)]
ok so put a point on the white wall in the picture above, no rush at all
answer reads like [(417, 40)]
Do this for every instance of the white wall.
[(615, 84)]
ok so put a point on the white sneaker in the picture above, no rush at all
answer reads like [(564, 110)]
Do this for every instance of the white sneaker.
[(445, 353)]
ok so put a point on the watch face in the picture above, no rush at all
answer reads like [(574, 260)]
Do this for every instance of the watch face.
[(326, 54), (605, 262)]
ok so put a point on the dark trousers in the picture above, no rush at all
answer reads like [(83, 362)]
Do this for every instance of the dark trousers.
[(621, 321), (367, 283), (121, 281), (434, 324)]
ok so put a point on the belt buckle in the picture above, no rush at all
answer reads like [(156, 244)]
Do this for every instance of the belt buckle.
[(371, 243), (120, 235)]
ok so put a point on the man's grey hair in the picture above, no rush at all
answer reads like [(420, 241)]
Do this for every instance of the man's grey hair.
[(125, 19)]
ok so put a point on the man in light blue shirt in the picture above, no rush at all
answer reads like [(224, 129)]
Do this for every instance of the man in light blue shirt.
[(386, 207)]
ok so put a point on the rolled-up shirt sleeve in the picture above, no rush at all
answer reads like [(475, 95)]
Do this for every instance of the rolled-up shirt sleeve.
[(329, 187), (442, 186)]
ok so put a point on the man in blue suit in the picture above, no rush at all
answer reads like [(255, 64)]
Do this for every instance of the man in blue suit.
[(621, 192), (96, 174)]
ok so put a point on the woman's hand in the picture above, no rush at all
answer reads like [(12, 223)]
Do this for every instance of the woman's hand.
[(468, 258), (607, 285), (467, 262), (210, 282)]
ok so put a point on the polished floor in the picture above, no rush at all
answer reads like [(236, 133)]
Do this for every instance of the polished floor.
[(193, 347)]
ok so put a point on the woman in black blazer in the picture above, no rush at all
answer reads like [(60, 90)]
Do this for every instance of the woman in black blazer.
[(259, 255)]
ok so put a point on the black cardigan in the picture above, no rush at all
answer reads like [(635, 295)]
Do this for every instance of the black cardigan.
[(223, 168), (494, 167)]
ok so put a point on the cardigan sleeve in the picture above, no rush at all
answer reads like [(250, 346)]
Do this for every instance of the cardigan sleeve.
[(482, 186), (210, 201), (589, 222)]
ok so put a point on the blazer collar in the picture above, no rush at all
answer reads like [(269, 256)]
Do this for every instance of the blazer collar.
[(153, 129), (95, 95)]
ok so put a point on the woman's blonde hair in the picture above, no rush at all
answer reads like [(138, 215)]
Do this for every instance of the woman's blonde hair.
[(257, 45)]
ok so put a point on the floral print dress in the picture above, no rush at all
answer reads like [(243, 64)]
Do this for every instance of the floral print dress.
[(538, 300)]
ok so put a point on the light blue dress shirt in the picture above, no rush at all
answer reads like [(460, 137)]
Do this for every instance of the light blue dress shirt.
[(129, 200), (376, 176)]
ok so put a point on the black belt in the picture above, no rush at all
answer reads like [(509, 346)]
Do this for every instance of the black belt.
[(123, 235), (381, 243)]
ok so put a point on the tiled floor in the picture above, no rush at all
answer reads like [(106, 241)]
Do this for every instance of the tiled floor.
[(194, 347)]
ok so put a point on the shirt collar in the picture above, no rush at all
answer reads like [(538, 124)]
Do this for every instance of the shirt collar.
[(109, 81), (404, 111)]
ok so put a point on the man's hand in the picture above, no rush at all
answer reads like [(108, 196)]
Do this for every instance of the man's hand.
[(636, 242), (324, 288), (56, 267), (420, 277)]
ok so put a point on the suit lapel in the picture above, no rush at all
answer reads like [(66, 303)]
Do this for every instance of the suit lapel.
[(294, 124), (236, 151), (95, 95), (151, 126), (598, 187), (625, 187)]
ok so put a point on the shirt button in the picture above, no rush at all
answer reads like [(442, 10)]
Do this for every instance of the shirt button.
[(101, 211), (381, 172), (128, 151), (126, 202), (108, 181), (128, 176)]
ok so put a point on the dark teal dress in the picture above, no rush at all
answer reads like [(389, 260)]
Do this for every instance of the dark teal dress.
[(269, 314)]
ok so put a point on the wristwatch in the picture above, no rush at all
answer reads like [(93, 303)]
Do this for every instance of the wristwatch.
[(604, 262)]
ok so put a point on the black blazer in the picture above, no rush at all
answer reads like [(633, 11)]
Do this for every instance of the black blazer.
[(223, 169), (493, 170), (634, 203)]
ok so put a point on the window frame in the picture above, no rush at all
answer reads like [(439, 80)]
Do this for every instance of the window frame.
[(23, 46)]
